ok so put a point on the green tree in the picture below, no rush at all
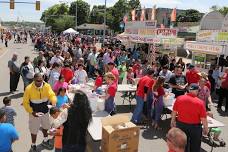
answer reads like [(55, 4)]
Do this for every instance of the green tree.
[(83, 10), (190, 15), (118, 11), (224, 10), (134, 4), (97, 14), (62, 23), (51, 14)]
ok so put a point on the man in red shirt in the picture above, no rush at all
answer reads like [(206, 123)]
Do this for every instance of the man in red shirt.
[(67, 73), (224, 91), (176, 140), (114, 71), (192, 75), (147, 107), (190, 111), (141, 95)]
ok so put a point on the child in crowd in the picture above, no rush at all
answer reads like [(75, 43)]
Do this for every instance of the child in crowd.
[(9, 111), (60, 84), (122, 70), (80, 75), (157, 105), (130, 76), (58, 133), (110, 93), (98, 81), (62, 98)]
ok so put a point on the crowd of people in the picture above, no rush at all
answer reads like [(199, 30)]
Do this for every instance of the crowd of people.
[(65, 59)]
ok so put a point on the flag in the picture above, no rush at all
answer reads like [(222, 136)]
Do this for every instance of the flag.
[(142, 18), (174, 15), (125, 18), (153, 15), (133, 15)]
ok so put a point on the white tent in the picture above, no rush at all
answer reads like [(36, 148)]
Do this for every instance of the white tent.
[(70, 31)]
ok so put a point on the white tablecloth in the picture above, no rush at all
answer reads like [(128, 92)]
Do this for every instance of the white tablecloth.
[(95, 127)]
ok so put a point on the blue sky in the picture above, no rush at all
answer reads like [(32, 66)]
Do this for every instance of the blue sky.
[(28, 13)]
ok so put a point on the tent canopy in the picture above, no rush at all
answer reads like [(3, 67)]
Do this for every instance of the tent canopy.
[(70, 31)]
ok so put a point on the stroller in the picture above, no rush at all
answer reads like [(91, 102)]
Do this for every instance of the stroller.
[(210, 139)]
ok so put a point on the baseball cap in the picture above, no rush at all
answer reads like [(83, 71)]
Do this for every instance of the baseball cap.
[(191, 66), (194, 86), (2, 113)]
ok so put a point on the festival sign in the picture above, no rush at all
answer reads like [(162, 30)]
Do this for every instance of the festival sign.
[(204, 48), (222, 36), (150, 32), (211, 35), (206, 35), (173, 41), (166, 33)]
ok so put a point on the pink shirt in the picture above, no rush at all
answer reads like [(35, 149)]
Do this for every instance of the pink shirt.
[(59, 85), (115, 72)]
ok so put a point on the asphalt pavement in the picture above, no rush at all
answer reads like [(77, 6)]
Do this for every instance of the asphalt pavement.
[(150, 140)]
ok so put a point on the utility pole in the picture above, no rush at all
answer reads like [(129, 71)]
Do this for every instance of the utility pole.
[(76, 15), (105, 11)]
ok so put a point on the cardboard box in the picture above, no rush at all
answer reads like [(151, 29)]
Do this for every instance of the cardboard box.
[(119, 134)]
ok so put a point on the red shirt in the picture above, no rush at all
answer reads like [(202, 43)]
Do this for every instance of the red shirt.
[(112, 88), (67, 74), (225, 82), (192, 76), (98, 81), (115, 72), (190, 109), (141, 84), (136, 68), (150, 84), (208, 84), (160, 91)]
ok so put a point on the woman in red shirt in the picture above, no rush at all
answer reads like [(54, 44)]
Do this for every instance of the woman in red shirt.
[(157, 104), (110, 93), (98, 81)]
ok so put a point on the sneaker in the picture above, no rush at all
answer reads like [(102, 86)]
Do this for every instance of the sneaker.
[(33, 148), (47, 145)]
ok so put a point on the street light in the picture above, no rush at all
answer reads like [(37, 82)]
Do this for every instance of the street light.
[(105, 11)]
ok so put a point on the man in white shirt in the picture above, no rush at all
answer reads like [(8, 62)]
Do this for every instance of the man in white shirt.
[(57, 58), (92, 61), (165, 72)]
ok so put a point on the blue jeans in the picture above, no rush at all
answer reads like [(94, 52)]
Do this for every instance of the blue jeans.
[(136, 118), (109, 104), (91, 70), (74, 148), (58, 150)]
